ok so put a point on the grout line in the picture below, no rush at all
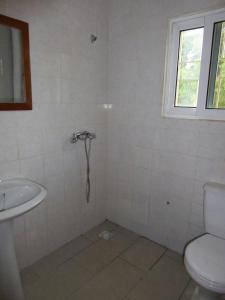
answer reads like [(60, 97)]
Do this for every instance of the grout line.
[(100, 271), (184, 289), (155, 263), (134, 266), (132, 288), (77, 253), (127, 248), (144, 272), (92, 276), (106, 266), (148, 239), (60, 263)]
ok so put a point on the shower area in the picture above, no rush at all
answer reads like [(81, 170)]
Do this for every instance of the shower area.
[(55, 144)]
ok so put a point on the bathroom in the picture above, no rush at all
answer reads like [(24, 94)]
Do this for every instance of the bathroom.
[(102, 66)]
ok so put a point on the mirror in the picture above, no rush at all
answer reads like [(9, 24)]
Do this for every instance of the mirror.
[(15, 77)]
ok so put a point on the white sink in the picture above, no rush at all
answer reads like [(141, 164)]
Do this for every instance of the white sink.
[(17, 196)]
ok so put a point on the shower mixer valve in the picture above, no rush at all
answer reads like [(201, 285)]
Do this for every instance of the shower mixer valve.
[(82, 135)]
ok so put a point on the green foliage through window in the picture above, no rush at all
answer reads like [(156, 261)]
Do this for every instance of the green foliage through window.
[(189, 64), (216, 89)]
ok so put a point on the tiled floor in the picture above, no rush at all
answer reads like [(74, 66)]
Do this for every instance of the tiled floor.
[(126, 267)]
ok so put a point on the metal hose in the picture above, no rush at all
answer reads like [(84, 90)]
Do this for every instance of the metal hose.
[(84, 136), (87, 153)]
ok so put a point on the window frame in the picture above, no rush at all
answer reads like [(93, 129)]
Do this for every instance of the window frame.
[(207, 21)]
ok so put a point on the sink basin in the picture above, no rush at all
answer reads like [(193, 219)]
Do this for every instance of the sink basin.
[(18, 196)]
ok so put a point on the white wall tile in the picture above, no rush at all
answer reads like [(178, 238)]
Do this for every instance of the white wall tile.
[(10, 169), (180, 155), (33, 168), (68, 72), (30, 143), (150, 160), (53, 164), (46, 89), (8, 145), (210, 145), (210, 169)]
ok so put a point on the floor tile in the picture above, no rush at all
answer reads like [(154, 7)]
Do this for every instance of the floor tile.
[(127, 233), (95, 257), (93, 234), (125, 267), (189, 290), (113, 283), (120, 242), (174, 255), (66, 279), (50, 262), (102, 252), (72, 248), (165, 281), (28, 276), (143, 254), (47, 264)]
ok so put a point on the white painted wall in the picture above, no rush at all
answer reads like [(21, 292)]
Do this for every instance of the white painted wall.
[(69, 87), (153, 160)]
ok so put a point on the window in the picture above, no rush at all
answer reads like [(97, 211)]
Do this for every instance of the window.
[(216, 90), (188, 71), (195, 67)]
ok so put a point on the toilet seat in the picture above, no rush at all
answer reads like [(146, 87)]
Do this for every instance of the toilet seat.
[(205, 262)]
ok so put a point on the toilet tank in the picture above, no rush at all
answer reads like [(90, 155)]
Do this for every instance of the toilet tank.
[(214, 208)]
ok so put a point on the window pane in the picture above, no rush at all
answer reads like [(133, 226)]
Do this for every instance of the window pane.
[(216, 88), (188, 69)]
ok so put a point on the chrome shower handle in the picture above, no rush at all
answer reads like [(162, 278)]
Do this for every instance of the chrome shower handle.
[(91, 135), (82, 135)]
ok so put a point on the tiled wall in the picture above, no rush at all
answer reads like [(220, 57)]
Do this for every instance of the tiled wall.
[(69, 88), (156, 165)]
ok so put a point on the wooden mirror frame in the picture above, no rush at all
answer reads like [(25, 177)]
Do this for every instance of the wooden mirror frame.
[(24, 27)]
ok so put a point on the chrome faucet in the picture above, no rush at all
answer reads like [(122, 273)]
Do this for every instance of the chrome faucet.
[(82, 135)]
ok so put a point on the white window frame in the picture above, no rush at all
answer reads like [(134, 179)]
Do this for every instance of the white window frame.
[(207, 21)]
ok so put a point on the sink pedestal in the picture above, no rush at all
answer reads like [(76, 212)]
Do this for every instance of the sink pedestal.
[(18, 196), (10, 281)]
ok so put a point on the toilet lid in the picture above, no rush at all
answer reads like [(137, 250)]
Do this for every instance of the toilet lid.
[(206, 257)]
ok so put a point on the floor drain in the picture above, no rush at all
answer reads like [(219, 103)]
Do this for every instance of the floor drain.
[(106, 235)]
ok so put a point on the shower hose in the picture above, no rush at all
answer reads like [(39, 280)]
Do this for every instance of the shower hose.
[(87, 146)]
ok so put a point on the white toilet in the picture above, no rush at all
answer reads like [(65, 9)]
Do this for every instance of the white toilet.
[(205, 256)]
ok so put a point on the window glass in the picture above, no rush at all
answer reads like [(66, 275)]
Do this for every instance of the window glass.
[(216, 87), (188, 68)]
